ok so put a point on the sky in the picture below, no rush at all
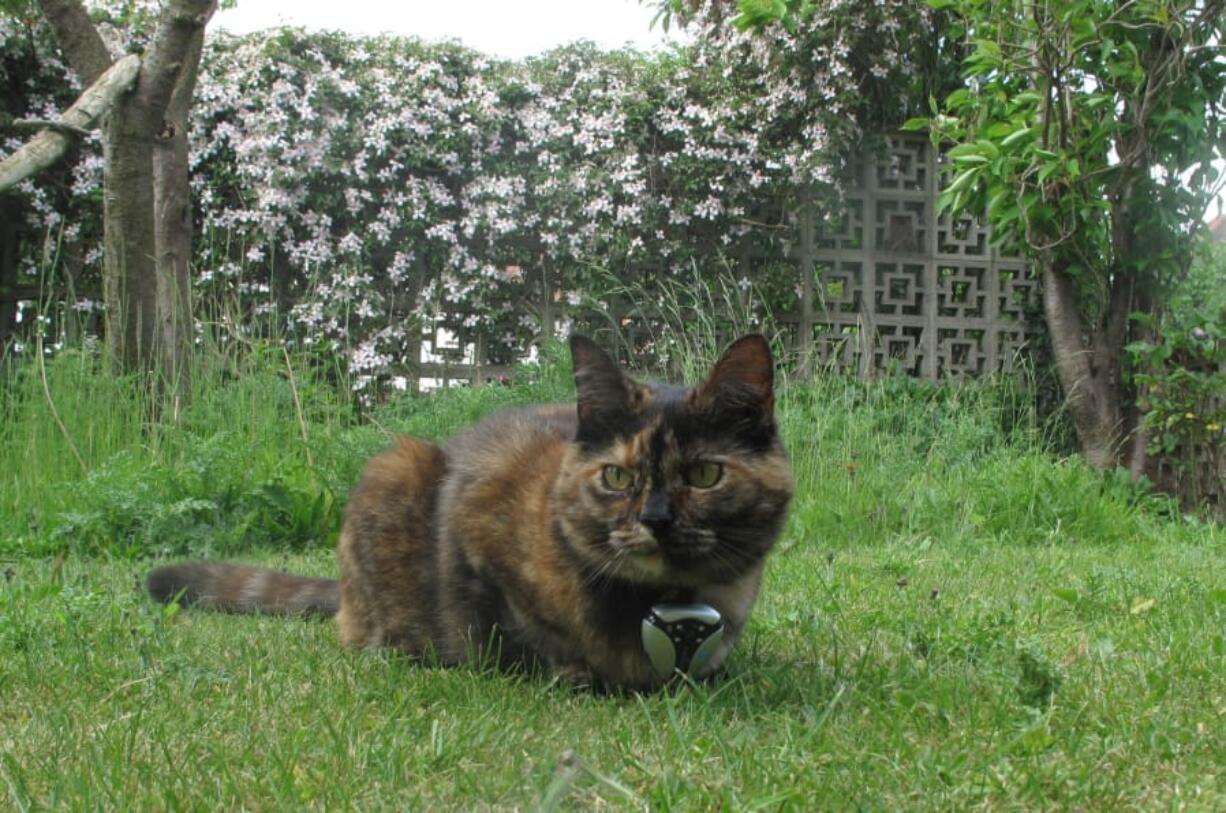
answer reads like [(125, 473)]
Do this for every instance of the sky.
[(497, 27)]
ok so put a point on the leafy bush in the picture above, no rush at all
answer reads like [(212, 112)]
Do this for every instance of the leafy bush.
[(1181, 375)]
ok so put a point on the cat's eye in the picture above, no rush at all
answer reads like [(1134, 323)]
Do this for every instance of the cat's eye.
[(617, 478), (704, 474)]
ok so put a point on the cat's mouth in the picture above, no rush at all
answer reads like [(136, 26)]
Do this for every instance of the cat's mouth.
[(639, 554), (649, 563), (653, 557)]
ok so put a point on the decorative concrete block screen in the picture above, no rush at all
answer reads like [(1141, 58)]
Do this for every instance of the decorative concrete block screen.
[(891, 287), (895, 286)]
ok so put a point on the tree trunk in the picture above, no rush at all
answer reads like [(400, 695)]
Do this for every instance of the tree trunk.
[(162, 99), (173, 228), (129, 274), (1089, 372), (147, 213)]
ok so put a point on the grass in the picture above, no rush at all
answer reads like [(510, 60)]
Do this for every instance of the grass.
[(954, 618)]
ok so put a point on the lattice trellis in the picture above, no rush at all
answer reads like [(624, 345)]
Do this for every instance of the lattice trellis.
[(894, 285)]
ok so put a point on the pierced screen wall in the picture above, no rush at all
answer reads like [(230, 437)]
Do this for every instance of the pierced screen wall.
[(895, 286), (890, 287)]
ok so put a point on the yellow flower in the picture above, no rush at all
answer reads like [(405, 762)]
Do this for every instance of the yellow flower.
[(1191, 416), (1213, 427)]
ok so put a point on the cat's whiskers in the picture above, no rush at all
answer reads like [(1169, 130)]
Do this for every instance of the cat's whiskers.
[(601, 575), (730, 558)]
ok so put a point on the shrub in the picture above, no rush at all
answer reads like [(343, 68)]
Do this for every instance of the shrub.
[(1181, 376)]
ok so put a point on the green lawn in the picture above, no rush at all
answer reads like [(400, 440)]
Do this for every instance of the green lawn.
[(954, 618), (902, 675)]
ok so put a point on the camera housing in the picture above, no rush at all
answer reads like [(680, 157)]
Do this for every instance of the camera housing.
[(682, 638)]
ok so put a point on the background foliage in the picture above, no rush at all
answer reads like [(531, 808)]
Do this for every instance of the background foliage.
[(1180, 374), (349, 189)]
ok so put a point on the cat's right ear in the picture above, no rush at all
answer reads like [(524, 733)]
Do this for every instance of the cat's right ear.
[(605, 396)]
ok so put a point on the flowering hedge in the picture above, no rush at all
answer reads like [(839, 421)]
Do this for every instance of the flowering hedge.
[(354, 188), (60, 209)]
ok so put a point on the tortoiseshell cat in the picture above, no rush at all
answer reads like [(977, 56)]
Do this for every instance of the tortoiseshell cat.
[(548, 532)]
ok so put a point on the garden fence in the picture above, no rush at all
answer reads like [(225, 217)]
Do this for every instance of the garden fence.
[(892, 286)]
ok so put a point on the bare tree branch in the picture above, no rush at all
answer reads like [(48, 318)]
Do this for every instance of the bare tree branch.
[(46, 124), (77, 37), (46, 148)]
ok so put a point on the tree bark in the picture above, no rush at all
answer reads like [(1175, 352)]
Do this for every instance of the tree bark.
[(1087, 376), (129, 274), (77, 37), (173, 224)]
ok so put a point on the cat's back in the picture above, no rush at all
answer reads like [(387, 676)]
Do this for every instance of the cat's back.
[(505, 459), (505, 436)]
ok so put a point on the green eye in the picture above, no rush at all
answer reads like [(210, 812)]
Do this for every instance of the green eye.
[(617, 478), (704, 474)]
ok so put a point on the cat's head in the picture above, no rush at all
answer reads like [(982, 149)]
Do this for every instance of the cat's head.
[(673, 486)]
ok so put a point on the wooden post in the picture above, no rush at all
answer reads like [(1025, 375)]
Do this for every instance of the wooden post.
[(546, 306), (807, 262), (478, 359)]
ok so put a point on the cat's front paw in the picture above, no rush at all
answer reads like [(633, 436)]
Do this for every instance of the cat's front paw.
[(576, 675)]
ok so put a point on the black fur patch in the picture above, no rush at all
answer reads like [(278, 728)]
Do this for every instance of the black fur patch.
[(166, 582)]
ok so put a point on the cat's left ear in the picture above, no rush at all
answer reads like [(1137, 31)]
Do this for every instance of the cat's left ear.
[(607, 399), (742, 379)]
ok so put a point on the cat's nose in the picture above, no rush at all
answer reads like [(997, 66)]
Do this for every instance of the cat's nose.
[(657, 513)]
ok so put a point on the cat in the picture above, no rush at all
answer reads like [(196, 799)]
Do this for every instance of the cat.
[(542, 536)]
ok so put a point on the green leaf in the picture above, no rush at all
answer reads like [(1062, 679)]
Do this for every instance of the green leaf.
[(998, 200), (987, 49), (963, 150), (912, 125), (999, 130), (759, 13), (950, 202), (1018, 136), (958, 98), (1068, 594), (964, 180)]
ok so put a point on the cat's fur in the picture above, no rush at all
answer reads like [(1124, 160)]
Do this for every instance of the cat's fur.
[(509, 535)]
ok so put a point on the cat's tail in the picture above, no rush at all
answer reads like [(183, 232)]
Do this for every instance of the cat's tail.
[(241, 589)]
